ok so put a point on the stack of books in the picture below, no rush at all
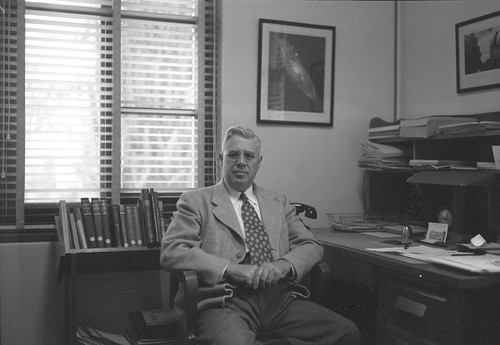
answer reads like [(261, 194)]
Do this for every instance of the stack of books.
[(96, 223), (154, 327)]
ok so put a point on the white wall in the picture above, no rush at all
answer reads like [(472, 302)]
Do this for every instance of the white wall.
[(427, 43), (317, 166), (31, 300)]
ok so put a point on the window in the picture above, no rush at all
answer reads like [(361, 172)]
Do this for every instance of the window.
[(119, 95)]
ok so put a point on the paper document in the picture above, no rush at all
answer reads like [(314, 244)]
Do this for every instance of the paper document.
[(423, 253), (487, 263)]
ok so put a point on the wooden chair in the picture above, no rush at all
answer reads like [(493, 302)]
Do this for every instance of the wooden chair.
[(317, 281)]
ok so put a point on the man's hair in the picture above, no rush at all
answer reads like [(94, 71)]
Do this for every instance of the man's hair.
[(242, 132)]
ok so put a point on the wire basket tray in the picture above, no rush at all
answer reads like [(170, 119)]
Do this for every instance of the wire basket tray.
[(363, 222)]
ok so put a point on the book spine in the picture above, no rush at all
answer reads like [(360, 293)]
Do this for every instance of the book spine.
[(163, 223), (129, 216), (123, 226), (74, 230), (138, 228), (88, 223), (155, 202), (64, 219), (115, 217), (147, 216), (106, 222), (96, 213), (79, 225)]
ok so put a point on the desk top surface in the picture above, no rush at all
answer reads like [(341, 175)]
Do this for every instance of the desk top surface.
[(353, 245)]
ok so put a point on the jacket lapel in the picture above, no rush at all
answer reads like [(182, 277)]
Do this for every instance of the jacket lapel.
[(223, 209)]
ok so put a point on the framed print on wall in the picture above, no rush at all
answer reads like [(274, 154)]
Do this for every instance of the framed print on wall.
[(478, 53), (295, 73)]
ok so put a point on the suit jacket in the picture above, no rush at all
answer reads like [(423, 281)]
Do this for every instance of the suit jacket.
[(205, 235)]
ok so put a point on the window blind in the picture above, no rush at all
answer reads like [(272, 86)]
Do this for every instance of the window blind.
[(8, 118), (113, 101)]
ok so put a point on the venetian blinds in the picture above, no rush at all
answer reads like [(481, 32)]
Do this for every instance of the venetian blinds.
[(8, 118), (112, 98)]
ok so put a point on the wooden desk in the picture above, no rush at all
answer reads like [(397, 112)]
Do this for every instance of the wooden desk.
[(409, 301)]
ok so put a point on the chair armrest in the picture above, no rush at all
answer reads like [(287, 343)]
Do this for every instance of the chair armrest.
[(320, 278), (189, 282)]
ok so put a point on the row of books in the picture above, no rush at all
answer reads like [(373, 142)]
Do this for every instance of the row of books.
[(428, 126), (96, 223)]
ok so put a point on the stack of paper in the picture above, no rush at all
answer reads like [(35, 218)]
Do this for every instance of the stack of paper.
[(472, 127), (428, 126), (378, 156)]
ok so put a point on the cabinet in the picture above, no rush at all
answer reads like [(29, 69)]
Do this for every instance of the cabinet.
[(472, 195), (73, 263)]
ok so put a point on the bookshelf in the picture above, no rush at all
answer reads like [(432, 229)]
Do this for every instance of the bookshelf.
[(75, 262), (472, 195), (93, 239)]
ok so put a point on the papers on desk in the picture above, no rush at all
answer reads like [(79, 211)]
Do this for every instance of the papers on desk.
[(487, 263), (422, 253)]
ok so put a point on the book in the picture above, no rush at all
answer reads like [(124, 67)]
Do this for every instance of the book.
[(96, 213), (140, 232), (106, 222), (60, 236), (131, 224), (81, 230), (123, 227), (148, 220), (88, 223), (74, 231), (425, 127), (155, 326), (115, 220), (155, 203), (64, 219)]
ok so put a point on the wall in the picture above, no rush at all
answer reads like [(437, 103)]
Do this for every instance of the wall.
[(317, 166), (31, 300), (427, 45)]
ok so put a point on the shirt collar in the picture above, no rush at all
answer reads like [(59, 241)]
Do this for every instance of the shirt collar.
[(234, 195)]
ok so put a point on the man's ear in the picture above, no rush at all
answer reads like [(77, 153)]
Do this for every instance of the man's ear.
[(220, 158)]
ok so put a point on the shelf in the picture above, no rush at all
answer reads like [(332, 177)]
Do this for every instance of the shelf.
[(101, 260), (465, 178)]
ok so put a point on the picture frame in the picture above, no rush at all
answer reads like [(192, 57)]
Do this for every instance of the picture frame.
[(295, 73), (477, 42)]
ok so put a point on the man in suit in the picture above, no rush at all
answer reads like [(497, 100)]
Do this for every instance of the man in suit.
[(211, 235)]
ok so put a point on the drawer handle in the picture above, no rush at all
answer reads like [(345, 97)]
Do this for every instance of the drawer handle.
[(408, 306)]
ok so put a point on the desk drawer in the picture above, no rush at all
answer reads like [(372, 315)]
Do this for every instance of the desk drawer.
[(419, 308)]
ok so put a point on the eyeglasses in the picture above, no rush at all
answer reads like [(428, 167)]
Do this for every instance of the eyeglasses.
[(235, 156)]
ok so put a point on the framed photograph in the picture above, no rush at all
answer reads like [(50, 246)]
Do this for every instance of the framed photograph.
[(478, 53), (296, 70)]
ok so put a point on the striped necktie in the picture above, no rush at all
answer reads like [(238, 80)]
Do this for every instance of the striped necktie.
[(257, 239)]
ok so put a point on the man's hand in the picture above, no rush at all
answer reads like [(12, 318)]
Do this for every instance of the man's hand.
[(269, 273), (254, 276), (241, 273)]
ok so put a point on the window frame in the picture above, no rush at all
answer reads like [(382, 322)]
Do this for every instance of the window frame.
[(34, 222)]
